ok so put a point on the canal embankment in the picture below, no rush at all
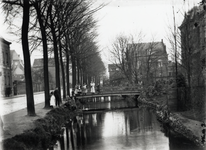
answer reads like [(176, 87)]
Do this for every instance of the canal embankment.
[(46, 130), (188, 128), (43, 132)]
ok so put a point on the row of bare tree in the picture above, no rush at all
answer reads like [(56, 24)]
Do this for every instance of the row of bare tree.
[(64, 28)]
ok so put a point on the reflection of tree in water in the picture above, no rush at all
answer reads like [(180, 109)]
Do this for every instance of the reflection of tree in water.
[(136, 128)]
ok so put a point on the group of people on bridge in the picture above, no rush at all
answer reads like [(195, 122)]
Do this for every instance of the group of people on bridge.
[(83, 90), (55, 98)]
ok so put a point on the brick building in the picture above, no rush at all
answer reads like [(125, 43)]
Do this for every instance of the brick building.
[(115, 74), (193, 38), (38, 74), (5, 68), (149, 61), (18, 78), (193, 50)]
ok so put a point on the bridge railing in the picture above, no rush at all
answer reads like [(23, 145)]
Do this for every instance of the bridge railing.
[(120, 88)]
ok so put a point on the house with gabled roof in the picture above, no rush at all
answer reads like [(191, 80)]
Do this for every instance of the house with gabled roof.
[(17, 66), (151, 60), (17, 69), (144, 62), (38, 73)]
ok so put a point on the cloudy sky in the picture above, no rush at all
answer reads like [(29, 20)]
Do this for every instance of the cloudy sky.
[(151, 17)]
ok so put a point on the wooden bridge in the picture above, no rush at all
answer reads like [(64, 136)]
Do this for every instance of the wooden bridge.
[(106, 94)]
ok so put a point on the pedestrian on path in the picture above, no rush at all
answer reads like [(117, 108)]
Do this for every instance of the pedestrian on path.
[(57, 97), (52, 99), (92, 84), (84, 89)]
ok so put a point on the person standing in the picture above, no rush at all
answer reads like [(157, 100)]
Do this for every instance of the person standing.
[(52, 99), (84, 89), (92, 84), (98, 88), (57, 97)]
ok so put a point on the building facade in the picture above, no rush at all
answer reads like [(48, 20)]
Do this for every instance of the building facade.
[(5, 68), (193, 38), (38, 74), (17, 67), (193, 50), (144, 62), (115, 75), (18, 78), (151, 61)]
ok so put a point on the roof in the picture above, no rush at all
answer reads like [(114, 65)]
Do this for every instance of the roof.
[(14, 55), (5, 41), (39, 62), (156, 46), (191, 14)]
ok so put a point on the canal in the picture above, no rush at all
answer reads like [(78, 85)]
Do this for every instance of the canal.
[(112, 125)]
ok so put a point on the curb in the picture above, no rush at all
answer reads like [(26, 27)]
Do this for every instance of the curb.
[(20, 95)]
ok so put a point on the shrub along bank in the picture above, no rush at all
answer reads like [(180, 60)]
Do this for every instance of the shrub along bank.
[(176, 123), (46, 130)]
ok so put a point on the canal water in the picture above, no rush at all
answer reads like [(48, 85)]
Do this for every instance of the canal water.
[(111, 125)]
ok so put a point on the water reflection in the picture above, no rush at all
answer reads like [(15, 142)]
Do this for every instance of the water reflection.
[(127, 129)]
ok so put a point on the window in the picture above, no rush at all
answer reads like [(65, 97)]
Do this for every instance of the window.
[(138, 64), (7, 59), (3, 58), (149, 51), (5, 80), (159, 63)]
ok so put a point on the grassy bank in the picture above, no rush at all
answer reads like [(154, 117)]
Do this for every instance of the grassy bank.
[(45, 132), (190, 129)]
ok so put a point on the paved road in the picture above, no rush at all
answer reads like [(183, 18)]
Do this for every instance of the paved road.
[(12, 104)]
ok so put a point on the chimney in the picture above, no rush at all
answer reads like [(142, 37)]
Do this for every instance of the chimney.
[(162, 40)]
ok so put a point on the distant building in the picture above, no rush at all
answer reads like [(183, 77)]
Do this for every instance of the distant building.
[(171, 70), (151, 60), (18, 78), (147, 61), (115, 74), (5, 68), (17, 67), (38, 73)]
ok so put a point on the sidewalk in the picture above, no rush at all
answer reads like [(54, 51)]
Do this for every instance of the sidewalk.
[(19, 95), (18, 121)]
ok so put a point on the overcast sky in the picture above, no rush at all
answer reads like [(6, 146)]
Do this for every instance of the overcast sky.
[(151, 17)]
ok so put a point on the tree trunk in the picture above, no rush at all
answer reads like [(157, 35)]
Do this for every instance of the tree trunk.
[(67, 73), (62, 69), (56, 55), (73, 59), (78, 72), (27, 63), (45, 56)]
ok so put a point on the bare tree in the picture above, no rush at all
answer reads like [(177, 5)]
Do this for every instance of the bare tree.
[(42, 16), (25, 5), (138, 61), (124, 56)]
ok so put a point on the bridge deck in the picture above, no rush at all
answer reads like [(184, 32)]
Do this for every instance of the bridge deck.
[(109, 94)]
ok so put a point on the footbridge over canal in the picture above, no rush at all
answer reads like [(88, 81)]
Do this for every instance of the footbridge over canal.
[(107, 94)]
